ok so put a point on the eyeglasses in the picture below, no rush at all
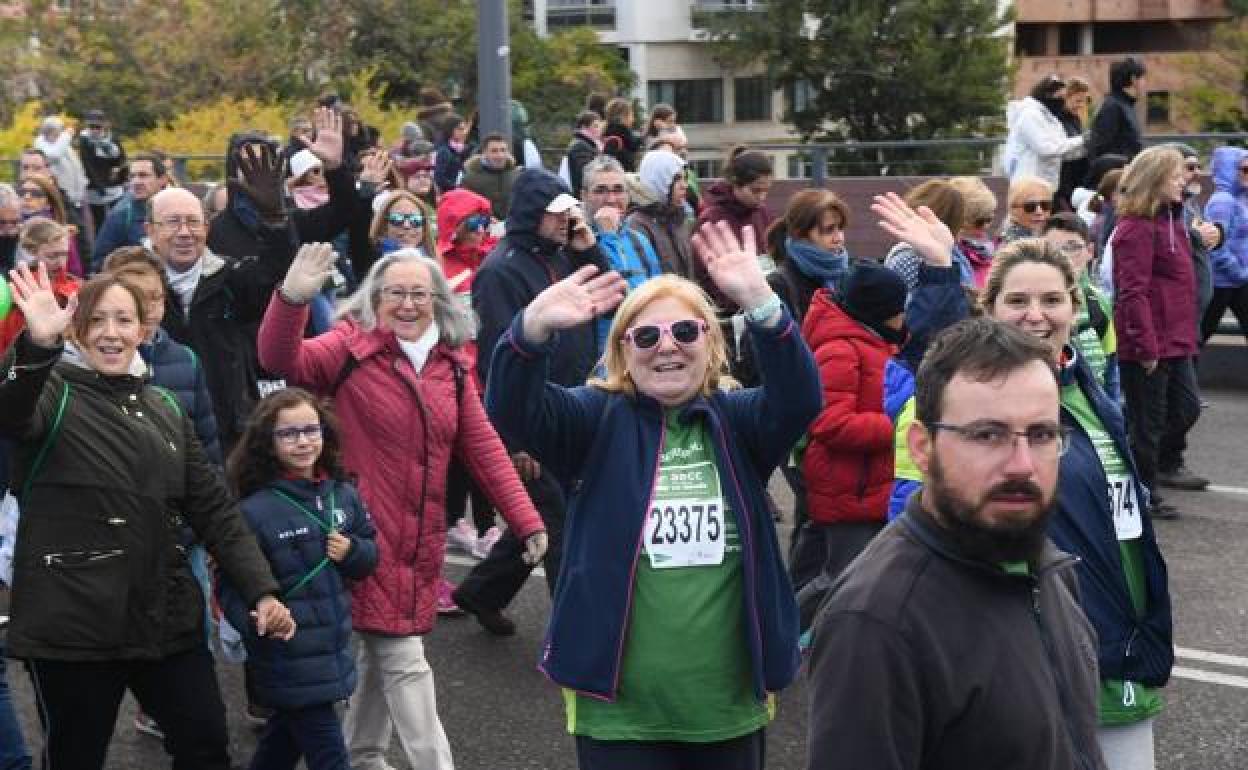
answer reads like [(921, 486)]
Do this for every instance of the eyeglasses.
[(1193, 166), (602, 189), (995, 438), (477, 222), (94, 127), (174, 224), (1072, 246), (413, 220), (32, 192), (397, 294), (982, 222), (1243, 169), (682, 333), (292, 434), (1032, 207)]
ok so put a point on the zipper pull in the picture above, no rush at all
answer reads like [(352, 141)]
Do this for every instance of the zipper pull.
[(1128, 694), (1035, 598)]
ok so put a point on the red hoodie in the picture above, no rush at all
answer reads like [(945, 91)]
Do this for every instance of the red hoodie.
[(456, 206)]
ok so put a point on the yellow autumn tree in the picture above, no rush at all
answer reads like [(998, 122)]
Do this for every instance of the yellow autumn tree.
[(205, 131), (18, 135)]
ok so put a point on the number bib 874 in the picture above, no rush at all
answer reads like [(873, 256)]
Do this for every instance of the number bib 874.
[(685, 533)]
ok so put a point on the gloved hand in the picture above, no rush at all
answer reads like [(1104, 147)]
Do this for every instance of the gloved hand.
[(535, 548), (309, 270), (261, 181)]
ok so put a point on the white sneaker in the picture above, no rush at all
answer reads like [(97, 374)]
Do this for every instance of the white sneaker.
[(462, 536), (486, 542)]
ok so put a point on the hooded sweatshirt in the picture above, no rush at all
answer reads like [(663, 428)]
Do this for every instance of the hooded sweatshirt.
[(455, 207), (722, 205), (1228, 208), (664, 224)]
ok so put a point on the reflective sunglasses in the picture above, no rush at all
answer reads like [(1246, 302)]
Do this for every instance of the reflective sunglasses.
[(413, 220), (1032, 207), (682, 333), (477, 222)]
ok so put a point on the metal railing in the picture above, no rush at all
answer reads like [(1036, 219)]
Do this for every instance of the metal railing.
[(817, 161)]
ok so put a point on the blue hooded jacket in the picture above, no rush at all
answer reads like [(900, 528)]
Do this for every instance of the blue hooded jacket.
[(610, 444), (316, 666), (1228, 208), (124, 226)]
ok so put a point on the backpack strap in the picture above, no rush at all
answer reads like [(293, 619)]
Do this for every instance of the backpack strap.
[(348, 366), (172, 399), (48, 442), (458, 372)]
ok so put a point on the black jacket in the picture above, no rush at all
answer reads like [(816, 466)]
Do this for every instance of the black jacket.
[(581, 150), (925, 659), (521, 265), (622, 143), (99, 571), (1116, 128), (221, 322), (103, 161)]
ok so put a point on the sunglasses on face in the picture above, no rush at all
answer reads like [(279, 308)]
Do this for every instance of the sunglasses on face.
[(413, 220), (32, 192), (649, 335), (1194, 167), (1032, 207), (477, 222)]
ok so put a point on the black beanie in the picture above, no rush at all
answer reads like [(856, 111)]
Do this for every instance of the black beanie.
[(873, 294)]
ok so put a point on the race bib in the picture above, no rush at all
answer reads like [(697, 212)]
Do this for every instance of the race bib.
[(685, 533), (1128, 523)]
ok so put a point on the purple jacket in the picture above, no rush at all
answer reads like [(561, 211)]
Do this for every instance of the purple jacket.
[(1154, 287)]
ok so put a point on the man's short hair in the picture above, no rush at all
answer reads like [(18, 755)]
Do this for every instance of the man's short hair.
[(979, 348), (158, 163), (587, 119), (1124, 71), (599, 165), (494, 136), (1068, 222)]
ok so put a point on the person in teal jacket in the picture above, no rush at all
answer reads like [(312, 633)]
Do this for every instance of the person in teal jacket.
[(673, 621)]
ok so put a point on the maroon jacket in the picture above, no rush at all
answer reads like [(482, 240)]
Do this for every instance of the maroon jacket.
[(399, 429), (1154, 287), (719, 204), (848, 465)]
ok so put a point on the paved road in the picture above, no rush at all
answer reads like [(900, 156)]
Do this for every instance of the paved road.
[(501, 714)]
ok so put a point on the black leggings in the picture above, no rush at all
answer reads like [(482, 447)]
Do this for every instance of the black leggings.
[(1235, 298), (745, 753), (460, 488)]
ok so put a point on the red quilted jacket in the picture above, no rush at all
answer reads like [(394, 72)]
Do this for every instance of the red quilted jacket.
[(399, 429), (848, 465)]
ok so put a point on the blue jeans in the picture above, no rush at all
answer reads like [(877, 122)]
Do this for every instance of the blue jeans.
[(313, 733), (13, 753)]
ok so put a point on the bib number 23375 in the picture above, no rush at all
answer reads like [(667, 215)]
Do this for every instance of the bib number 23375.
[(685, 533)]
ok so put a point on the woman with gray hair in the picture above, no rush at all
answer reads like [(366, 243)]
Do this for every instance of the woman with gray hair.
[(394, 367)]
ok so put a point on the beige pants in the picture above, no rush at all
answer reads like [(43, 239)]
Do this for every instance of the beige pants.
[(395, 692)]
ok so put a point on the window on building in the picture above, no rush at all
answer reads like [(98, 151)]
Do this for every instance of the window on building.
[(1120, 37), (695, 101), (579, 13), (1030, 39), (800, 96), (800, 166), (1068, 40), (707, 168), (752, 99), (1158, 112)]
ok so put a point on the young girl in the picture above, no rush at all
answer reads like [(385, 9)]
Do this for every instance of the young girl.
[(313, 528)]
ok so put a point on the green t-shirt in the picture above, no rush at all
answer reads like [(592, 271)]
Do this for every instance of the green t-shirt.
[(1121, 702), (686, 673)]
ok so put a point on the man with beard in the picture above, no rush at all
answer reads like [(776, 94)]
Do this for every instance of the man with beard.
[(956, 639)]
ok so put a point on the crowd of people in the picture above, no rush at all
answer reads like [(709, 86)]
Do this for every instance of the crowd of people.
[(249, 424)]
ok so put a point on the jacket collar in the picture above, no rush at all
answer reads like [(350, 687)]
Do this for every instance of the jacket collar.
[(366, 343)]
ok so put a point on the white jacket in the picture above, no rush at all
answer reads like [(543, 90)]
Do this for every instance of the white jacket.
[(64, 164), (1037, 143)]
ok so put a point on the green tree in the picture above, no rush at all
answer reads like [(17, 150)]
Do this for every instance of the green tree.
[(1217, 100), (877, 69)]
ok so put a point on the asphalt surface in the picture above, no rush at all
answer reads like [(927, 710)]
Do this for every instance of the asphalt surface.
[(500, 713)]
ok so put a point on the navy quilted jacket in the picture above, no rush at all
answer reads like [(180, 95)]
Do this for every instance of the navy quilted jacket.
[(176, 368), (315, 666)]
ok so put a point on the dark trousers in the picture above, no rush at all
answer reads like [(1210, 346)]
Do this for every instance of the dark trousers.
[(1236, 298), (13, 753), (745, 753), (460, 488), (313, 734), (496, 580), (78, 704), (823, 552), (1146, 396), (793, 475), (1182, 412)]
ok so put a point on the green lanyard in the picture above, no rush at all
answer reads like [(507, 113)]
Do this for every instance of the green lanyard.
[(308, 512)]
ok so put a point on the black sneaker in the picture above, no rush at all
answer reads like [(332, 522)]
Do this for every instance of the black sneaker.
[(1182, 478), (491, 620)]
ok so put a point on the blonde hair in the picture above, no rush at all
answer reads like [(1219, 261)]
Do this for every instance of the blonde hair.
[(618, 380), (38, 232), (1144, 179), (1023, 187), (1026, 251), (977, 199), (377, 230)]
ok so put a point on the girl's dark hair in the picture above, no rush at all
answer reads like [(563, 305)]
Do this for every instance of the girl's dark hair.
[(659, 112), (746, 166), (253, 464), (1046, 86)]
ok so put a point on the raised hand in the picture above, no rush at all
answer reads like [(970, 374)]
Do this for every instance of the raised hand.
[(732, 263), (261, 180), (375, 168), (921, 229), (328, 144), (309, 270), (46, 320), (575, 300)]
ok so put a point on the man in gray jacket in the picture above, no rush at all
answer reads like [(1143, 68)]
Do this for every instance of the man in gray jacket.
[(956, 639)]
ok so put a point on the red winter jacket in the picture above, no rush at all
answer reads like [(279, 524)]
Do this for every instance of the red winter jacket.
[(1154, 288), (848, 465), (399, 428), (454, 207)]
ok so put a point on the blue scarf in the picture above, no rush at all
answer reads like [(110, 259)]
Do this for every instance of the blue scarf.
[(829, 268)]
